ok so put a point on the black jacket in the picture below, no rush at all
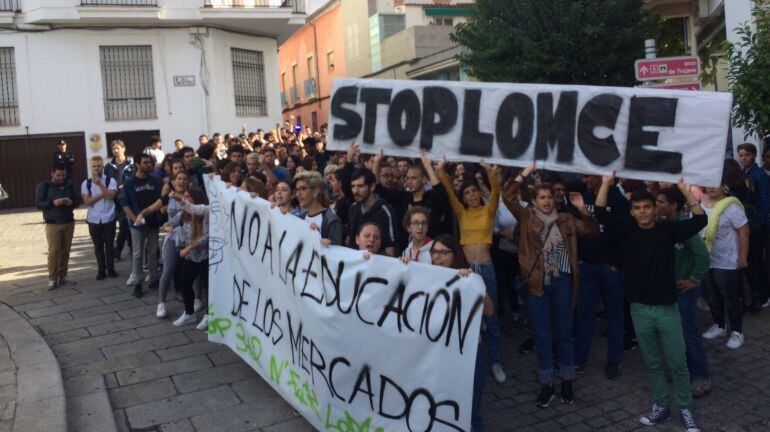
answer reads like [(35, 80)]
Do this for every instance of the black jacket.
[(47, 191), (381, 214)]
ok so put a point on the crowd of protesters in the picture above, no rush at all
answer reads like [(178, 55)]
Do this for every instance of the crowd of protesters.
[(550, 247)]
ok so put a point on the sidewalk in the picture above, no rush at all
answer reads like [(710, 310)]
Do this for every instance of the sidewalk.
[(162, 378)]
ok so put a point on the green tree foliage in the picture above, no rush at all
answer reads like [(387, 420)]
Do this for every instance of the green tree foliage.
[(555, 41), (749, 65)]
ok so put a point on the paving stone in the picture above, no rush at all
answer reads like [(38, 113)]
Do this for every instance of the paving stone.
[(38, 382), (66, 336), (253, 389), (223, 356), (122, 324), (195, 381), (112, 365), (121, 422), (180, 407), (111, 381), (294, 425), (60, 325), (136, 394), (91, 413), (87, 294), (57, 309), (188, 350), (177, 426), (244, 417), (35, 305), (79, 358), (106, 308), (166, 369), (116, 298), (45, 415), (96, 342), (135, 312), (8, 377), (83, 385), (160, 328), (145, 345)]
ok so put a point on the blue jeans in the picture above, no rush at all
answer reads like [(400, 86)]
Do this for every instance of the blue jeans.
[(697, 362), (477, 425), (494, 334), (599, 281), (555, 304)]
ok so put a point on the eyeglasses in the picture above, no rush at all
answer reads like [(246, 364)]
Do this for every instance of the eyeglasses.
[(441, 252), (418, 224)]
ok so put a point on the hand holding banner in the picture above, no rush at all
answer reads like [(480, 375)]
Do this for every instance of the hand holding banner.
[(646, 134), (349, 343)]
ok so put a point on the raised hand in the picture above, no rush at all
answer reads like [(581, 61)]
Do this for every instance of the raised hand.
[(529, 170), (609, 179), (442, 164), (353, 150), (576, 199)]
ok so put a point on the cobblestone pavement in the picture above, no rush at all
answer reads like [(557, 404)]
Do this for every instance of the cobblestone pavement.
[(162, 378), (8, 394)]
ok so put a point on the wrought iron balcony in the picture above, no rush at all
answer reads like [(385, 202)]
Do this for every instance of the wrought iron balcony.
[(310, 88), (297, 6), (121, 3), (10, 5), (294, 95)]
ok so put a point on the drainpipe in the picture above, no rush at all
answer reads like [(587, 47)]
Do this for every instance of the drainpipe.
[(317, 72)]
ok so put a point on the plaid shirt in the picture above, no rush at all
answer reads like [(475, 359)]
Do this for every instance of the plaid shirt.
[(761, 183)]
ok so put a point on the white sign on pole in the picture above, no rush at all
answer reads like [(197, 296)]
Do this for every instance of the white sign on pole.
[(645, 134), (352, 344)]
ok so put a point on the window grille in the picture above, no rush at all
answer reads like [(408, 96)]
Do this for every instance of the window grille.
[(118, 2), (128, 83), (9, 103), (249, 83)]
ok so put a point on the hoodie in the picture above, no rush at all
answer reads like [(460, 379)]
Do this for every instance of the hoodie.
[(422, 255), (47, 191)]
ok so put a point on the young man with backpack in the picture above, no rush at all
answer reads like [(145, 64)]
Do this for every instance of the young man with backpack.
[(98, 193), (120, 168), (58, 198), (649, 263)]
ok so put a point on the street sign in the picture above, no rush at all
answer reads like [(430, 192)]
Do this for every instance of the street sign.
[(694, 86), (664, 68)]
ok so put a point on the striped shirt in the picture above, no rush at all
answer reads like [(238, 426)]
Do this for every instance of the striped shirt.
[(558, 256)]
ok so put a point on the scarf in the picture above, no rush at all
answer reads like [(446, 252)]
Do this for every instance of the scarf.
[(710, 233), (550, 242)]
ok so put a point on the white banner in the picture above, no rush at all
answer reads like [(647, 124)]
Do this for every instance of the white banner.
[(353, 345), (645, 134)]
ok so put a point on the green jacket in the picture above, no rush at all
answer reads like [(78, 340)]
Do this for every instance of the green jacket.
[(692, 259)]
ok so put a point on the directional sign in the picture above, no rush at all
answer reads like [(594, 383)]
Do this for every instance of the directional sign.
[(670, 67), (694, 86)]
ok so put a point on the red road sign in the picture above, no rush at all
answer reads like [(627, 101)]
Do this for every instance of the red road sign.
[(670, 67), (694, 86)]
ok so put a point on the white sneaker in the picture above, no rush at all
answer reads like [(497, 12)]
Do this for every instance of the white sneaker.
[(133, 280), (497, 371), (161, 313), (714, 332), (184, 320), (51, 285), (766, 304), (204, 324), (735, 341), (198, 305)]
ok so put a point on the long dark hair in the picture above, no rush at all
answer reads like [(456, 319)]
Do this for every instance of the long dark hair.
[(198, 197), (451, 242)]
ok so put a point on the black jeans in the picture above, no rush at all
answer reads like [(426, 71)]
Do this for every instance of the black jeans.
[(756, 273), (189, 271), (722, 289), (103, 236), (124, 235), (506, 269)]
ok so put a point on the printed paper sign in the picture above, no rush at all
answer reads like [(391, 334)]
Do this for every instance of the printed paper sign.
[(645, 134), (351, 344)]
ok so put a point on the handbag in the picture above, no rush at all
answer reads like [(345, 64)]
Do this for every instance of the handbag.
[(521, 284)]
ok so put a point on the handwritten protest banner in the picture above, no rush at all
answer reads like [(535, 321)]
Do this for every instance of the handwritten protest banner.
[(646, 134), (353, 345)]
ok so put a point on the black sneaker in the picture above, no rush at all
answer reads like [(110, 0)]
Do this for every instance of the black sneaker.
[(101, 276), (567, 395), (112, 273), (547, 393), (138, 290), (527, 346), (612, 372), (657, 415), (688, 421)]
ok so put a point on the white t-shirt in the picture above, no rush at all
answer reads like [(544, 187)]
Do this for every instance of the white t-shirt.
[(317, 219), (724, 254)]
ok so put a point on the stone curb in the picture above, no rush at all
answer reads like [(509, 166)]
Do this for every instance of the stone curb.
[(40, 402)]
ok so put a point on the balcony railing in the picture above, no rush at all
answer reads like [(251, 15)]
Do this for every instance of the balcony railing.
[(283, 99), (131, 3), (310, 88), (298, 6), (294, 95), (10, 5)]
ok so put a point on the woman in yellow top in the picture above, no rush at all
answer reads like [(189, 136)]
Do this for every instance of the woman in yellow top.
[(477, 221)]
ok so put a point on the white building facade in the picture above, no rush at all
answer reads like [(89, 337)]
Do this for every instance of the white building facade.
[(178, 67)]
